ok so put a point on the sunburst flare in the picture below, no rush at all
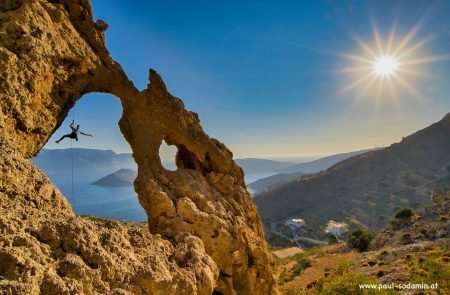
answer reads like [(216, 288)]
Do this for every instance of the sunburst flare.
[(396, 61)]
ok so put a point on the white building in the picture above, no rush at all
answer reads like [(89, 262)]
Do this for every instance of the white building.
[(336, 228), (295, 223)]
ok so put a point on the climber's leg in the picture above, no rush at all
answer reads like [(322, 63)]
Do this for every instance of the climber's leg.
[(62, 137)]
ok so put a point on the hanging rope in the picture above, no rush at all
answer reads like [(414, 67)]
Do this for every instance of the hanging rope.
[(71, 157), (73, 189)]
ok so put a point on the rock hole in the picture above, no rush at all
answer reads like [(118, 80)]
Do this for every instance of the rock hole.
[(167, 154), (185, 159), (96, 173)]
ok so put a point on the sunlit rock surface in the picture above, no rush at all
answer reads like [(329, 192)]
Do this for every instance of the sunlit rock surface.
[(204, 233)]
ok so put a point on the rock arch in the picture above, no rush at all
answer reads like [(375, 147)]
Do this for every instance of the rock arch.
[(53, 53)]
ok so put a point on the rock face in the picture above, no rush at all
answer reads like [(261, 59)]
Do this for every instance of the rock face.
[(204, 233)]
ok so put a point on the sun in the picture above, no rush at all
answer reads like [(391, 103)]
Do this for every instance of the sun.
[(385, 66), (388, 68)]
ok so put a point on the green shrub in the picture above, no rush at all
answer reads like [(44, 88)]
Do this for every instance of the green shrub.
[(301, 265), (283, 279), (332, 239), (440, 197), (404, 213), (360, 239)]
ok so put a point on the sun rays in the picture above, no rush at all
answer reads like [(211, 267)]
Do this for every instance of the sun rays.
[(388, 67)]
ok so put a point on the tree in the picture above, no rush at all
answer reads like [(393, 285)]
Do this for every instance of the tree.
[(360, 239), (404, 213), (332, 239)]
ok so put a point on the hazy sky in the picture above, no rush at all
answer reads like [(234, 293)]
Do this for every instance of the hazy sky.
[(265, 76)]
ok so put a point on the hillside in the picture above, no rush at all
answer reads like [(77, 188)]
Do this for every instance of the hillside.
[(366, 189), (295, 171), (122, 177), (409, 250), (321, 164), (277, 179)]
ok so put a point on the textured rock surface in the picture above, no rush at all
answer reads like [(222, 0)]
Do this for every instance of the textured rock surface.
[(204, 233), (45, 249), (206, 196)]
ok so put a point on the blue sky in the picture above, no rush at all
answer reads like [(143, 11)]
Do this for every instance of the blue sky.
[(264, 76)]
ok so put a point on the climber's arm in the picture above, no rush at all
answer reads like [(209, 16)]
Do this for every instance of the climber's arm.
[(86, 134)]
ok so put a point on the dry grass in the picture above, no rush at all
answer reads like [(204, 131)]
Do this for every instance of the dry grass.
[(323, 261)]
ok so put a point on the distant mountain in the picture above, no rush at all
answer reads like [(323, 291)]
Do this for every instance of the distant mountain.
[(321, 164), (297, 170), (260, 166), (277, 179), (89, 164), (122, 177), (366, 189)]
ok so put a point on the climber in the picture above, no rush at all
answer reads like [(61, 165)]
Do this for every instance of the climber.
[(74, 134)]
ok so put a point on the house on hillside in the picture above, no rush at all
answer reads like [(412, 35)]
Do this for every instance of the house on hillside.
[(336, 228), (295, 223)]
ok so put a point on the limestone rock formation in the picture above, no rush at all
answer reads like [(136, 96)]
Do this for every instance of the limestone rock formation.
[(204, 234)]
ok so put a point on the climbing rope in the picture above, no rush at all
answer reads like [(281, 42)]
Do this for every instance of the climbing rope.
[(71, 157), (73, 189)]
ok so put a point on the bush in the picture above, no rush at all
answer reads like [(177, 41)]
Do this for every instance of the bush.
[(404, 213), (332, 239), (302, 264), (360, 239)]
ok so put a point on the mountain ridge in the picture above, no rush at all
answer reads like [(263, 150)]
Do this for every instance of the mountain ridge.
[(301, 169), (366, 187), (323, 162), (260, 165)]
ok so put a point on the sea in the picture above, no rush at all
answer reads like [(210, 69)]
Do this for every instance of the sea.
[(119, 203)]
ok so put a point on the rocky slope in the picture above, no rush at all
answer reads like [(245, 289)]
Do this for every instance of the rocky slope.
[(412, 250), (204, 233), (366, 189)]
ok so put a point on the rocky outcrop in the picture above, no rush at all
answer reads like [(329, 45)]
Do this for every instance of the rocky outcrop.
[(46, 249), (204, 234)]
